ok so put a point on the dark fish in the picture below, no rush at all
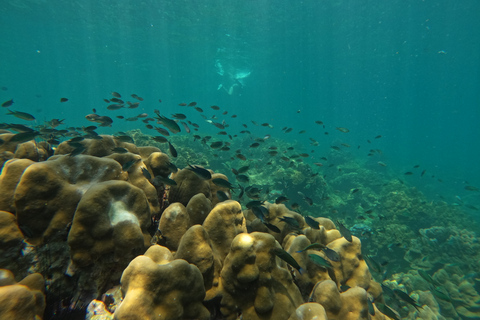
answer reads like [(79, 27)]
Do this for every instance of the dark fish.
[(77, 151), (146, 174), (344, 231), (76, 139), (313, 246), (201, 172), (378, 137), (319, 122), (133, 105), (307, 199), (355, 190), (127, 165), (172, 166), (116, 100), (192, 104), (471, 188), (168, 123), (387, 291), (182, 104), (24, 136), (116, 94), (281, 199), (162, 131), (215, 107), (442, 294), (318, 260), (331, 254), (21, 115), (254, 203), (7, 103), (409, 173), (285, 256), (405, 297), (383, 164), (241, 156), (63, 99), (218, 125), (185, 126), (222, 183), (134, 96), (341, 129), (386, 310), (199, 109), (258, 212), (222, 196), (371, 308), (243, 178), (124, 139), (312, 223), (172, 150), (273, 153), (160, 139), (272, 227), (335, 148), (427, 277), (295, 206), (243, 169), (344, 288), (179, 116), (216, 144), (292, 222), (164, 180), (104, 121), (119, 150), (242, 191), (423, 172)]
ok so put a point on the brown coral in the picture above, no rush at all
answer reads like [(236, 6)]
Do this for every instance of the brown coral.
[(161, 290), (111, 218), (49, 191)]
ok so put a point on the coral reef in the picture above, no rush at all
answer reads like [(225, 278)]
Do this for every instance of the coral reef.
[(155, 288), (22, 300), (117, 228)]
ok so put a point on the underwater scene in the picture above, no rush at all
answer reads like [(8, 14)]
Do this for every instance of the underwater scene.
[(255, 160)]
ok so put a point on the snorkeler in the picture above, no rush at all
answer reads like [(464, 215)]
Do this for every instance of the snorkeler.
[(233, 78)]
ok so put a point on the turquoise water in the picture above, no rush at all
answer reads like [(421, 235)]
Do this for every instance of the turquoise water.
[(401, 76), (406, 70)]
